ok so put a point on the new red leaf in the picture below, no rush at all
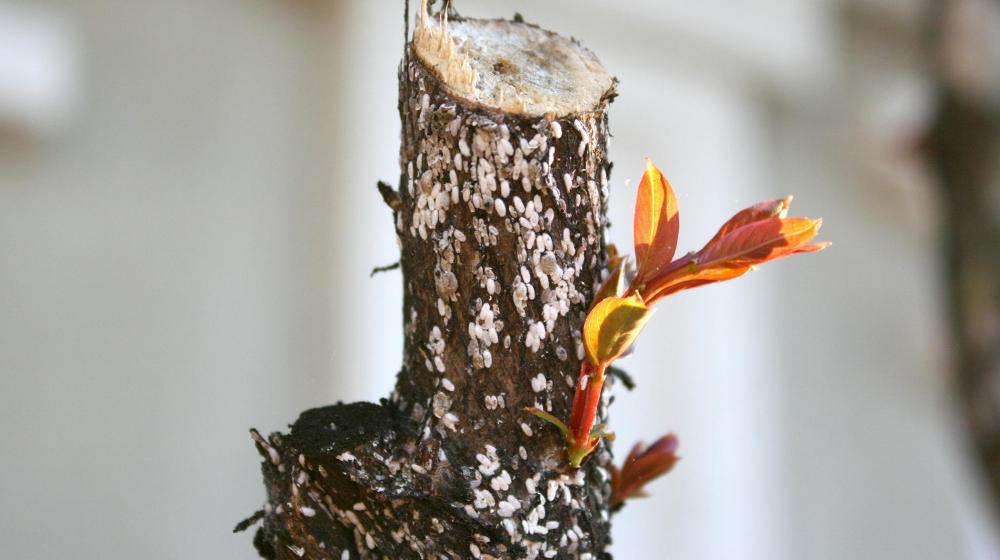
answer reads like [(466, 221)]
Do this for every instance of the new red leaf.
[(735, 253), (656, 224), (776, 208), (614, 284), (758, 242), (642, 465)]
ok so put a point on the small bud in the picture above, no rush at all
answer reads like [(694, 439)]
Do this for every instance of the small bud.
[(642, 465)]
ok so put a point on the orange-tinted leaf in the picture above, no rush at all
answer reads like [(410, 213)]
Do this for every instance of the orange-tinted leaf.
[(642, 465), (777, 208), (758, 242), (813, 247), (614, 257), (612, 326), (736, 252), (614, 284), (656, 224)]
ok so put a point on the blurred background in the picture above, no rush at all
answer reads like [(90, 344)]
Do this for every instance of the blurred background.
[(188, 219)]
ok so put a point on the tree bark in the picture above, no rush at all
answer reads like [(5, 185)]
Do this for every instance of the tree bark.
[(964, 153), (500, 216)]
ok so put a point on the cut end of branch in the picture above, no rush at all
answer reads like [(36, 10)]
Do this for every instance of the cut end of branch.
[(511, 66)]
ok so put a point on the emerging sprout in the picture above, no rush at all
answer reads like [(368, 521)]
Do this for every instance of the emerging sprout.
[(623, 304)]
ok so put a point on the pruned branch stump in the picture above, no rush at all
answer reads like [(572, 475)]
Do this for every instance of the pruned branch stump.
[(500, 215)]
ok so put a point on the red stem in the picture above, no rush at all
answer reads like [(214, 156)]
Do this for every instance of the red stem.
[(588, 412), (577, 411)]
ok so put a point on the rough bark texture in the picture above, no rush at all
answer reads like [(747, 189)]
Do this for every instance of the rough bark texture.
[(964, 150), (501, 220)]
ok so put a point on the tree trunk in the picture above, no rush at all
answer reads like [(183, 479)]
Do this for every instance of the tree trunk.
[(500, 216), (964, 153)]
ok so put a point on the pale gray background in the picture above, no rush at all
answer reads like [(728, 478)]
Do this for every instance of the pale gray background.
[(188, 218)]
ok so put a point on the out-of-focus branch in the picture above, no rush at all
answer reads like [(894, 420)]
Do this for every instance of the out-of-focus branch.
[(963, 149)]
